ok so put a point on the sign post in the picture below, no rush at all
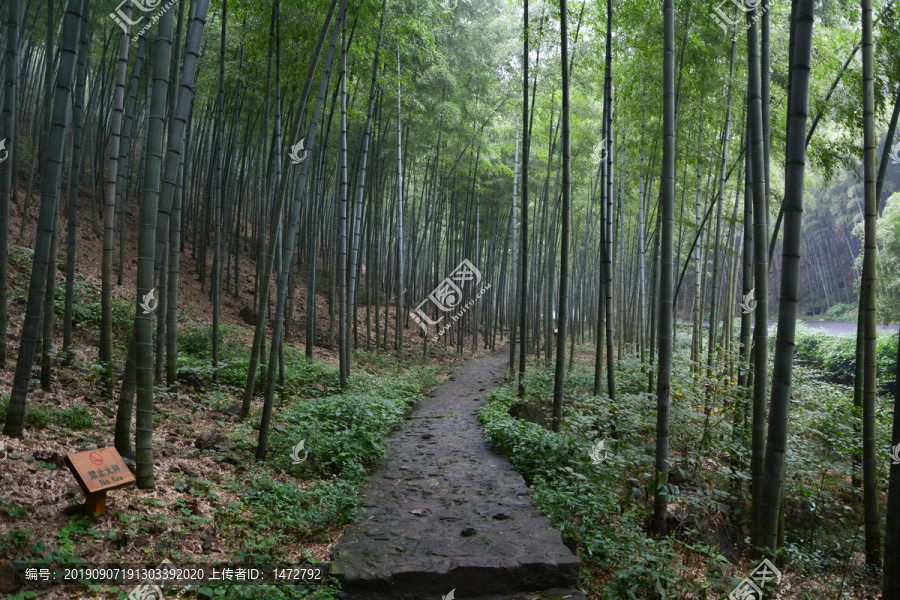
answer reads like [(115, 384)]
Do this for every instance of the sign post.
[(97, 472)]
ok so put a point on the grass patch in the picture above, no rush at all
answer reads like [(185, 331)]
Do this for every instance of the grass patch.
[(302, 376), (77, 416)]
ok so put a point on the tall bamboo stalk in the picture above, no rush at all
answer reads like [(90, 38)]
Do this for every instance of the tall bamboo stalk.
[(147, 255), (74, 173), (566, 153), (523, 254), (867, 291), (760, 259), (51, 173), (776, 439), (343, 339), (8, 175), (667, 220)]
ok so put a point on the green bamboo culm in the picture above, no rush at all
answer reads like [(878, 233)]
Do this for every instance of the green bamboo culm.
[(606, 202), (666, 272), (50, 181), (714, 349), (172, 304), (125, 407), (760, 262), (168, 223), (149, 205), (109, 215), (8, 166), (173, 157), (868, 299), (167, 342), (343, 337), (523, 234), (354, 250), (219, 199), (566, 154), (74, 174), (47, 353), (746, 265), (46, 108), (398, 309), (776, 439)]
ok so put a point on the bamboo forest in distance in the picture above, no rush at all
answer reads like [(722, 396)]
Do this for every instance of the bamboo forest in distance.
[(245, 243)]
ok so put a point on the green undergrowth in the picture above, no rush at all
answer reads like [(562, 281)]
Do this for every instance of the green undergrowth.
[(273, 511), (86, 306), (835, 356), (596, 514), (322, 440), (40, 416), (841, 311), (324, 446), (302, 376), (604, 510), (269, 511), (343, 434)]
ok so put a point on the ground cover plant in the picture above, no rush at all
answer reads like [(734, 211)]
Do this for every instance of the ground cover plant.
[(603, 507)]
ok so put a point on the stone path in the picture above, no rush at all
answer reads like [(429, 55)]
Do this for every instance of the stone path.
[(447, 512)]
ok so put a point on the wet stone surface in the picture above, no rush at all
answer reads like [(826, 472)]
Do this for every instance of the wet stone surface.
[(446, 511)]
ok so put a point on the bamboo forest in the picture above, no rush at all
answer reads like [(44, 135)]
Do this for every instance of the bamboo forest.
[(450, 299)]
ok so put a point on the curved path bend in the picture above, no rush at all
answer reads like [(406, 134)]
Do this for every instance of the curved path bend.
[(446, 511)]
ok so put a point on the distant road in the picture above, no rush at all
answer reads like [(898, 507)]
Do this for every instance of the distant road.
[(833, 327), (842, 327)]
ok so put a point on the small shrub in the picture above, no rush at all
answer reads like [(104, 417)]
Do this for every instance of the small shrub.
[(291, 512), (194, 340), (343, 434), (39, 416), (14, 542), (21, 256), (11, 511), (74, 417), (841, 311)]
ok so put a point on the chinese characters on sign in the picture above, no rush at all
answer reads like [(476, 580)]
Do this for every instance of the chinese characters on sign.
[(97, 472), (100, 469)]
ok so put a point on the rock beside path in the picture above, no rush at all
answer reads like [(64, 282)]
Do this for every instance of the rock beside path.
[(528, 412), (213, 440)]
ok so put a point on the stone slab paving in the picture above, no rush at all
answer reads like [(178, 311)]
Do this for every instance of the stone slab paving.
[(446, 511)]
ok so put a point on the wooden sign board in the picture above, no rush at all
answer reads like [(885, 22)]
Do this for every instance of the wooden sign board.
[(97, 472)]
